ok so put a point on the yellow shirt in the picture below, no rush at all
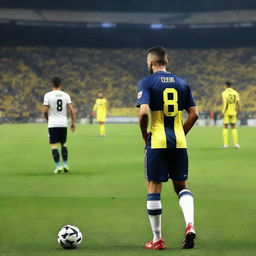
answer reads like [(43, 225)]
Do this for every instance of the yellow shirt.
[(100, 108), (230, 97)]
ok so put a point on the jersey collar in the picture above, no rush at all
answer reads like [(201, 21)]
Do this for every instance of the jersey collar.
[(162, 71)]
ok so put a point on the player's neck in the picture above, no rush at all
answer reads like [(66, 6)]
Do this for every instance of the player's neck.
[(56, 89), (155, 69)]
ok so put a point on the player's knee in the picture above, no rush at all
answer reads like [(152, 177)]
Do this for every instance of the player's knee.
[(179, 186), (54, 146), (177, 189)]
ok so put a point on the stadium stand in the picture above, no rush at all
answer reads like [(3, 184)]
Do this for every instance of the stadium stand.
[(25, 73)]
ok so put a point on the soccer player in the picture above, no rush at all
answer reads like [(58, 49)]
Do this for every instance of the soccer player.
[(165, 96), (230, 110), (56, 103), (100, 110)]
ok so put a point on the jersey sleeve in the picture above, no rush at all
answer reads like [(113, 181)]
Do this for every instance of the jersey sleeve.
[(189, 100), (143, 96), (46, 100), (69, 100)]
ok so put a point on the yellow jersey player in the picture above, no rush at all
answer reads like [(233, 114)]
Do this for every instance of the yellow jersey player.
[(230, 110), (164, 96), (100, 110)]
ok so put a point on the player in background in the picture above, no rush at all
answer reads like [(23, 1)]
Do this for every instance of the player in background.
[(164, 96), (56, 103), (100, 111), (230, 110)]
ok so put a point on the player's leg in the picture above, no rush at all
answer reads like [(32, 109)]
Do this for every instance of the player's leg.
[(179, 176), (102, 128), (234, 132), (64, 148), (225, 132), (53, 139), (64, 153), (186, 203), (186, 200), (153, 167), (56, 157), (154, 208)]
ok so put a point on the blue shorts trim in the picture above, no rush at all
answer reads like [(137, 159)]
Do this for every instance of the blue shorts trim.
[(164, 164)]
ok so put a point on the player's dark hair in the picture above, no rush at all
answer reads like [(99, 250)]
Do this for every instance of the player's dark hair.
[(228, 84), (56, 82), (161, 53)]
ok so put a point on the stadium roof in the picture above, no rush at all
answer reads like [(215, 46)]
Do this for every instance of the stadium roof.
[(127, 29), (128, 18), (132, 5)]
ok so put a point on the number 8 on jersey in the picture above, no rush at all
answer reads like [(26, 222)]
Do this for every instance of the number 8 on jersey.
[(173, 103)]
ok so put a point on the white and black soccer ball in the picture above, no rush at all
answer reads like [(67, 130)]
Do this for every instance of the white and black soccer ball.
[(69, 237)]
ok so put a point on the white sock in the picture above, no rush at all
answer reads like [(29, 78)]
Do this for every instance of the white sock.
[(154, 207), (186, 202), (155, 221)]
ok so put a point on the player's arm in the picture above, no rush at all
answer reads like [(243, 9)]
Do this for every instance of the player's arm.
[(143, 101), (72, 115), (45, 111), (238, 105), (192, 111), (224, 105), (46, 107), (94, 110), (192, 117), (144, 120)]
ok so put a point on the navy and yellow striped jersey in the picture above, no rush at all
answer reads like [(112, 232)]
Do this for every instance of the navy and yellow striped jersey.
[(167, 96)]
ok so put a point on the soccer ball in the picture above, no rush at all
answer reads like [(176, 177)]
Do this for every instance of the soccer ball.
[(69, 237)]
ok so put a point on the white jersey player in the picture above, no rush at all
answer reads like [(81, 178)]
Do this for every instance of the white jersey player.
[(56, 103)]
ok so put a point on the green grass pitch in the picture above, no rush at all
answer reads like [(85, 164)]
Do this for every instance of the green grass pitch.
[(105, 193)]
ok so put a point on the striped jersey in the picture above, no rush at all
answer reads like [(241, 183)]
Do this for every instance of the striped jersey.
[(167, 96)]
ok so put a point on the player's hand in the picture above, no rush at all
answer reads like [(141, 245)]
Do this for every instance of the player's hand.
[(145, 137), (221, 115), (73, 127)]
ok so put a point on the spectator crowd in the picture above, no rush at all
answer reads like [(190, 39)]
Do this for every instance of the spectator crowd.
[(25, 74)]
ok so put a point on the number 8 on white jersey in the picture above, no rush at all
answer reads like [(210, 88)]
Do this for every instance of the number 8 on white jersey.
[(57, 102)]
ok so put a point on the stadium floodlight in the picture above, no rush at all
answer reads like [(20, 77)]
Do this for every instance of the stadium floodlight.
[(108, 25), (156, 26)]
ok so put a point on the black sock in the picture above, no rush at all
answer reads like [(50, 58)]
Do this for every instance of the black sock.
[(56, 155), (64, 152)]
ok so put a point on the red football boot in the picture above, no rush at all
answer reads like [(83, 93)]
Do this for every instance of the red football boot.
[(190, 236), (159, 245)]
